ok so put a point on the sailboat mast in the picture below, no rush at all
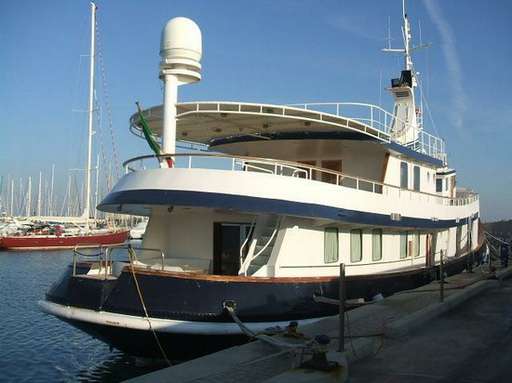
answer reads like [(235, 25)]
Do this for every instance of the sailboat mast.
[(29, 196), (97, 184), (12, 197), (50, 203), (87, 201), (39, 195)]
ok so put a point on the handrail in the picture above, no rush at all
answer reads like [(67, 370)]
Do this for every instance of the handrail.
[(108, 249), (372, 107), (249, 260), (251, 229), (433, 146), (376, 187), (375, 118)]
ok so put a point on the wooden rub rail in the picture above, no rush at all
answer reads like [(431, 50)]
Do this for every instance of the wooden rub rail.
[(295, 169)]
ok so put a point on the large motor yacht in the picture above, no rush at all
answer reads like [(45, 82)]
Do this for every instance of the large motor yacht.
[(264, 214)]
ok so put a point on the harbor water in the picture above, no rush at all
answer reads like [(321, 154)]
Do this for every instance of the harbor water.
[(37, 347)]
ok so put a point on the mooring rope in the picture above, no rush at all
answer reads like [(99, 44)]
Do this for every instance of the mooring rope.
[(265, 338), (496, 238), (133, 256)]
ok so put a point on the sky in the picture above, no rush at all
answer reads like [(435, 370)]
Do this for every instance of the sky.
[(287, 51)]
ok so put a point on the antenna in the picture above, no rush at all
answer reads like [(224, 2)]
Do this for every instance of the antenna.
[(389, 32), (408, 48)]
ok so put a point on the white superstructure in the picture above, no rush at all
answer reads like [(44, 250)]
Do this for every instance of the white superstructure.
[(306, 186)]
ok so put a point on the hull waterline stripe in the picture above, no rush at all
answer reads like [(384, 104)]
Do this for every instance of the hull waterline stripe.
[(106, 318)]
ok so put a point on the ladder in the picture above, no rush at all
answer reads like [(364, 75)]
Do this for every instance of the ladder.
[(262, 243)]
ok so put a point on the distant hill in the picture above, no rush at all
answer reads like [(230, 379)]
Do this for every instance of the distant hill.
[(501, 229)]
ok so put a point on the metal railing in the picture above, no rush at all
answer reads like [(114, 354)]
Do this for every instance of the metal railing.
[(103, 259), (367, 118), (378, 118), (430, 145), (368, 114), (298, 170)]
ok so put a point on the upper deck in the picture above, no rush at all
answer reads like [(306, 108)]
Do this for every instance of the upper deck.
[(209, 122)]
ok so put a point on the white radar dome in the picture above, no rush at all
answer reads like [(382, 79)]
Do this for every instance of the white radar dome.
[(181, 50)]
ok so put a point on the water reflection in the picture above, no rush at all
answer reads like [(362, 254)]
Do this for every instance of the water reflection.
[(37, 347)]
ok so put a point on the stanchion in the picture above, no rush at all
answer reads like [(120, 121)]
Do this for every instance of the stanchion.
[(471, 259), (441, 275), (342, 295)]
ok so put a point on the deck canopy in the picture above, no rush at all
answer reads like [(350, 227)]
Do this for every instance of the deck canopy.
[(205, 122)]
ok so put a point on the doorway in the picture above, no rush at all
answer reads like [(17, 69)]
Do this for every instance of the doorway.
[(228, 238)]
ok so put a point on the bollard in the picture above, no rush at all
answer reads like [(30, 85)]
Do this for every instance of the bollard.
[(341, 344), (441, 275)]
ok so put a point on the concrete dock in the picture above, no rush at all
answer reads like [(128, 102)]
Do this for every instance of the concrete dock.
[(371, 332)]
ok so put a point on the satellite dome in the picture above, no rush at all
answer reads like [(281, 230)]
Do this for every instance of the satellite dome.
[(181, 49)]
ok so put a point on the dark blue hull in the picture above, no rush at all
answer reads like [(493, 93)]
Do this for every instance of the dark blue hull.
[(199, 298)]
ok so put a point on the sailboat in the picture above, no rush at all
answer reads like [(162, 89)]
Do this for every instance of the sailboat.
[(70, 232)]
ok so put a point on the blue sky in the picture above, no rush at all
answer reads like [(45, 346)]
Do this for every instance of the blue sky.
[(261, 51)]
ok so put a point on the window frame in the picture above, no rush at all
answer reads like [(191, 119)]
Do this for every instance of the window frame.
[(416, 173), (417, 241), (377, 232), (404, 175), (403, 240), (439, 185), (332, 230), (353, 233)]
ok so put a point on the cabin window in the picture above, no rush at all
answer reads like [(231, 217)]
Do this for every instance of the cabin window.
[(439, 185), (415, 245), (331, 245), (403, 245), (458, 240), (416, 178), (404, 176), (356, 245), (376, 244)]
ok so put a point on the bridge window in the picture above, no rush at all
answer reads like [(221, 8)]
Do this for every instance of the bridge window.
[(376, 244), (416, 178), (404, 176), (439, 185), (356, 245), (331, 244)]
